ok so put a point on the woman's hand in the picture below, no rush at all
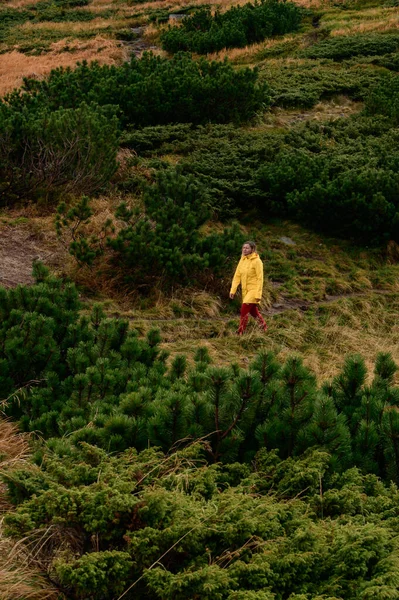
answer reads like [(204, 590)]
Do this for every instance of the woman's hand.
[(231, 296)]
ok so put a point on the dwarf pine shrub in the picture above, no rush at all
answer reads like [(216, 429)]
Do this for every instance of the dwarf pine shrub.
[(93, 379), (43, 152), (338, 177), (204, 32), (344, 47), (169, 526), (384, 99), (151, 90), (164, 243)]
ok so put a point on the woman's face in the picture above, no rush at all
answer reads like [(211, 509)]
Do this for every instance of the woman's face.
[(246, 249)]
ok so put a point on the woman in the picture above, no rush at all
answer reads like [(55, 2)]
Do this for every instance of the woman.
[(249, 274)]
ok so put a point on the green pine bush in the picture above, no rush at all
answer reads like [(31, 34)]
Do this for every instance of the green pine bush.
[(169, 526), (204, 32), (384, 99), (344, 47), (93, 379), (45, 152), (150, 91)]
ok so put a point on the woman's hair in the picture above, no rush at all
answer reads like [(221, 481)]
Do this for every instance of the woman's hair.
[(252, 245)]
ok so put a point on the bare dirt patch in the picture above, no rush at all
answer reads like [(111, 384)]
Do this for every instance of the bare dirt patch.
[(19, 247)]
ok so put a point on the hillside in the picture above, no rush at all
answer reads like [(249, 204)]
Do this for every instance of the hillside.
[(147, 450)]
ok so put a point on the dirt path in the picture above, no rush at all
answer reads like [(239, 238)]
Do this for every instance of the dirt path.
[(19, 247), (138, 45)]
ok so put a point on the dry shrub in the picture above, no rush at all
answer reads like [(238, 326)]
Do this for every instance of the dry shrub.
[(125, 158), (14, 66)]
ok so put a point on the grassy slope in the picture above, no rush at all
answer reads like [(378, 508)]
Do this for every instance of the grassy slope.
[(350, 294), (323, 299)]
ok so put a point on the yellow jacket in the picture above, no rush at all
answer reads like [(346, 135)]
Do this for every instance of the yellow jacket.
[(249, 273)]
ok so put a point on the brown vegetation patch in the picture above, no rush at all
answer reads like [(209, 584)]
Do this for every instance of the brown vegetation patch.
[(14, 448), (379, 25), (20, 3), (312, 3), (18, 250), (250, 52), (13, 444), (14, 66), (73, 28), (329, 110), (22, 241)]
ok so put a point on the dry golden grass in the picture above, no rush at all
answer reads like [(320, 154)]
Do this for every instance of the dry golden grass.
[(20, 3), (21, 577), (330, 110), (248, 52), (251, 54), (14, 66), (313, 3), (13, 445), (72, 28), (104, 4), (150, 34), (380, 19), (14, 449), (379, 25), (175, 6), (363, 325)]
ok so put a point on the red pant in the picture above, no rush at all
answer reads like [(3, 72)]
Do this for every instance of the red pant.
[(253, 310)]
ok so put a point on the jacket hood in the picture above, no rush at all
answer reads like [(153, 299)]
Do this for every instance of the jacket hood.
[(252, 255)]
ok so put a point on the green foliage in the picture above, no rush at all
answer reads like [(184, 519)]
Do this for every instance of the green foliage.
[(344, 47), (43, 152), (42, 11), (95, 575), (204, 32), (312, 81), (223, 159), (149, 139), (93, 379), (172, 527), (167, 242), (51, 355), (151, 90), (163, 244), (10, 17), (384, 99), (336, 177), (84, 249)]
